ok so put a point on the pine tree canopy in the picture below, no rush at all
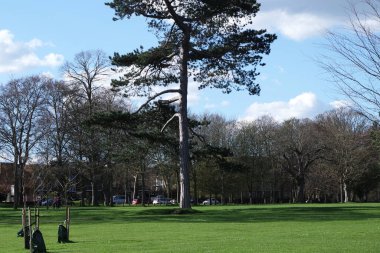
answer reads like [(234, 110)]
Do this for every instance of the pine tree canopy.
[(223, 52)]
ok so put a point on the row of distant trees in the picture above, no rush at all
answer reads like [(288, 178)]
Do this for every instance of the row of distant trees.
[(329, 159), (85, 137)]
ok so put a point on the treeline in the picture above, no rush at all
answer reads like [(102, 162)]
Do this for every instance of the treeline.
[(333, 158), (88, 140)]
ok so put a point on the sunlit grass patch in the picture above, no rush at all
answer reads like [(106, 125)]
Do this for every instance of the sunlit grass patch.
[(259, 228)]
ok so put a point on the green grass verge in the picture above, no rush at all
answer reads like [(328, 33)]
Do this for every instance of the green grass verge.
[(262, 228)]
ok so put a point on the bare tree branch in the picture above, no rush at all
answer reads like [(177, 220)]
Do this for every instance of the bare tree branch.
[(353, 61), (155, 96), (170, 120)]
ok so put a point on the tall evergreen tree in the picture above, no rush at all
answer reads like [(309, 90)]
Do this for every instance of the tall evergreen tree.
[(211, 41)]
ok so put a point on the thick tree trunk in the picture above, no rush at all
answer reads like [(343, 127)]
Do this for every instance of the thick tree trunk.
[(107, 194), (250, 197), (300, 190), (184, 126), (184, 157), (19, 185)]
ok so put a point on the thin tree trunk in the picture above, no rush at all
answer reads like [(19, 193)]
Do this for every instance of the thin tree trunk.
[(143, 188), (16, 196), (18, 180), (126, 186), (178, 187), (83, 192), (93, 193), (222, 183), (134, 186), (345, 192), (195, 187)]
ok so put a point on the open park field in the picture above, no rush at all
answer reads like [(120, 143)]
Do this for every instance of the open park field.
[(259, 228)]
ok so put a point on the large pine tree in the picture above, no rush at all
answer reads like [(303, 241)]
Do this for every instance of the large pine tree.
[(211, 41)]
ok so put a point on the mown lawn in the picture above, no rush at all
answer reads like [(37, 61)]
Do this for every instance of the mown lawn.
[(260, 228)]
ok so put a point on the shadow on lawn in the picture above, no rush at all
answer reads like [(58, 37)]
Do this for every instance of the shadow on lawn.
[(289, 213), (236, 214), (307, 213)]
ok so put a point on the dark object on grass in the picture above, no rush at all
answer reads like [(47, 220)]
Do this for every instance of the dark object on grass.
[(38, 242), (62, 234), (20, 233)]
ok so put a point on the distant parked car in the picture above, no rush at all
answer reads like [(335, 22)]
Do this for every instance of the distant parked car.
[(136, 201), (211, 201), (46, 202), (118, 199), (161, 201)]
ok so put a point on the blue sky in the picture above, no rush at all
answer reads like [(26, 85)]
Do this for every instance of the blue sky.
[(38, 36)]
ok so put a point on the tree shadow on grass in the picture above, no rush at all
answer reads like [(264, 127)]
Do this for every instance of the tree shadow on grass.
[(262, 213), (236, 214), (290, 213), (304, 213)]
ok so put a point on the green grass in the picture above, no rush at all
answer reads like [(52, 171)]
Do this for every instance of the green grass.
[(259, 228)]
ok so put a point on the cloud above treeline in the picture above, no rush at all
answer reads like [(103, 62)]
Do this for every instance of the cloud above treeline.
[(305, 105), (18, 56), (296, 26)]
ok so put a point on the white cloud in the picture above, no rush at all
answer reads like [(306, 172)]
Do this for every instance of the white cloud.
[(339, 104), (193, 93), (17, 56), (372, 24), (296, 26), (34, 43), (305, 105), (48, 74)]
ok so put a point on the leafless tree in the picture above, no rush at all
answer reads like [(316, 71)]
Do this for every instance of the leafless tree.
[(214, 138), (352, 59), (255, 146), (345, 132), (22, 106), (301, 149), (85, 74)]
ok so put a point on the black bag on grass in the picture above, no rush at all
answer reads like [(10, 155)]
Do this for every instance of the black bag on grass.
[(20, 233), (38, 242), (62, 234)]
